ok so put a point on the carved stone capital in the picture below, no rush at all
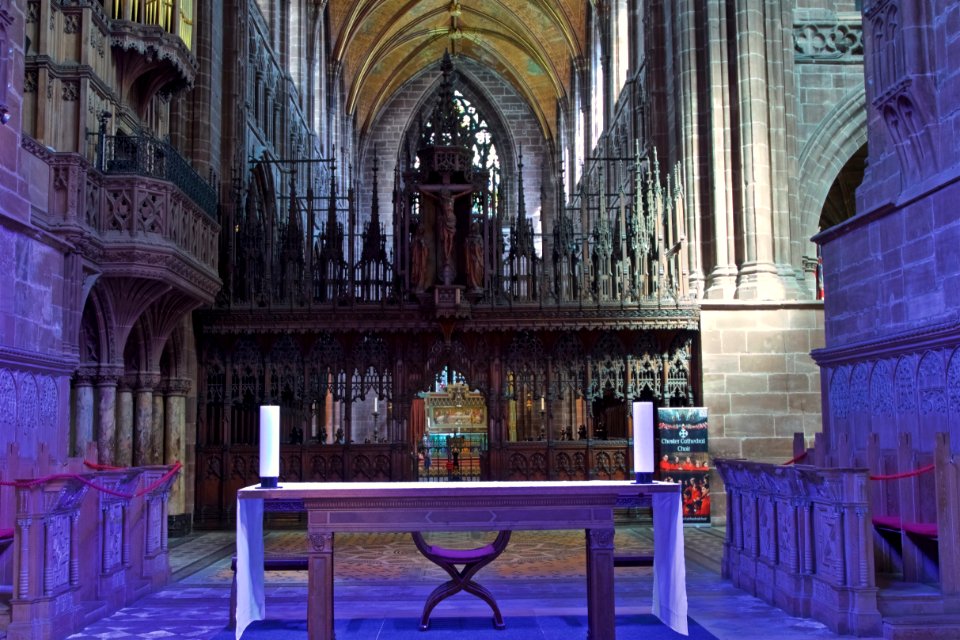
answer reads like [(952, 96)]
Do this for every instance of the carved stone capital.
[(148, 381), (84, 376), (177, 387), (108, 375)]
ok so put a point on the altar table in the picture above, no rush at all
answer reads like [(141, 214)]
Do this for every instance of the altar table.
[(464, 506)]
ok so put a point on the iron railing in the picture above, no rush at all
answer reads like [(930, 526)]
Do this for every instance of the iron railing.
[(146, 156)]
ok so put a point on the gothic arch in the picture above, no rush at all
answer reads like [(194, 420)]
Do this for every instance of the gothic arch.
[(456, 357), (96, 330), (477, 93), (953, 399), (174, 354), (136, 352), (841, 134)]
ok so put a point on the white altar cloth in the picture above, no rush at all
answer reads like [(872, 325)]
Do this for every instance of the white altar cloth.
[(412, 506)]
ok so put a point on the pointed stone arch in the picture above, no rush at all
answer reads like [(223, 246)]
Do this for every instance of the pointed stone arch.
[(96, 329), (842, 132)]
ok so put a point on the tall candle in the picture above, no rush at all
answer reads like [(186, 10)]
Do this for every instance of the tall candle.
[(376, 403), (643, 441), (269, 445)]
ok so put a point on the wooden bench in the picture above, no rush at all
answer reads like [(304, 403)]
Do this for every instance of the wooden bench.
[(915, 515), (635, 560), (277, 562)]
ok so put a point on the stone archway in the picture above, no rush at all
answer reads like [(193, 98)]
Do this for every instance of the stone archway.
[(842, 133)]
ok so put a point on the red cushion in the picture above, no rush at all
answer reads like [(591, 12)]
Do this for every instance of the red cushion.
[(6, 533), (922, 529), (887, 522)]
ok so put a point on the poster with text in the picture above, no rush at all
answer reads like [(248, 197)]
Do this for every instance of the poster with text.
[(684, 459)]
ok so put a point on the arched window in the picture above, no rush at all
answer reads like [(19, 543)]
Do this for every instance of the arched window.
[(596, 88), (481, 142), (621, 44)]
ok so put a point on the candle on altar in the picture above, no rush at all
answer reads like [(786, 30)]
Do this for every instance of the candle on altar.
[(269, 445), (643, 441), (376, 404)]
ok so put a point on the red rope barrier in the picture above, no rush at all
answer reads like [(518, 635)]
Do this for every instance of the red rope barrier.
[(800, 456), (101, 467), (25, 484), (905, 474)]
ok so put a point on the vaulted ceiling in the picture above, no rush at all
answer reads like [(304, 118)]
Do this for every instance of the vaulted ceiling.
[(380, 44)]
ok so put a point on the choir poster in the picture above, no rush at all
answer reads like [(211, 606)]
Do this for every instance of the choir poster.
[(684, 459)]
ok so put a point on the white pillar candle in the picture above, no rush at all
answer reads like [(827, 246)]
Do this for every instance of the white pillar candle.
[(269, 445), (376, 404), (643, 440)]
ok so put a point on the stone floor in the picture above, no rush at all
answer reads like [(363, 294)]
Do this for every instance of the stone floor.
[(380, 575)]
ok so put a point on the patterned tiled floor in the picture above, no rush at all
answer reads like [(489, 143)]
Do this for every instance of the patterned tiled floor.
[(538, 575)]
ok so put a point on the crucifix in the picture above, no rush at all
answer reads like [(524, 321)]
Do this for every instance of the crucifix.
[(446, 224)]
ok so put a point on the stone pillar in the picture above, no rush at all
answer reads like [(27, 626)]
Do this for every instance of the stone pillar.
[(688, 70), (107, 416), (155, 450), (83, 410), (125, 422), (143, 418), (174, 449), (721, 281), (758, 276)]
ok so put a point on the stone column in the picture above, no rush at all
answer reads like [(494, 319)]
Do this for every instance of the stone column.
[(107, 415), (155, 450), (143, 418), (722, 278), (125, 422), (174, 449), (687, 52), (758, 276), (83, 410)]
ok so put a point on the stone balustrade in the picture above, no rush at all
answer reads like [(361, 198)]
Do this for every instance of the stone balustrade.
[(800, 537), (126, 205), (86, 545)]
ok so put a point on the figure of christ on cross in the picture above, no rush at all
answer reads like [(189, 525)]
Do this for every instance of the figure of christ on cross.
[(447, 224)]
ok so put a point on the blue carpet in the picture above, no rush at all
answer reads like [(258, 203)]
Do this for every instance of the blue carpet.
[(518, 628)]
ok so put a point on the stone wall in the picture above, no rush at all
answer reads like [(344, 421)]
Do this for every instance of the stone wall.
[(892, 360), (892, 273), (760, 385), (34, 370), (831, 113)]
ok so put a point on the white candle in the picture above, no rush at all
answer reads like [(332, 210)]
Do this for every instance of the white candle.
[(543, 404), (376, 403), (269, 445), (643, 437)]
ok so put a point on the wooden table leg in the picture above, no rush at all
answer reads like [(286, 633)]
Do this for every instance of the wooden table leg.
[(320, 587), (601, 610)]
